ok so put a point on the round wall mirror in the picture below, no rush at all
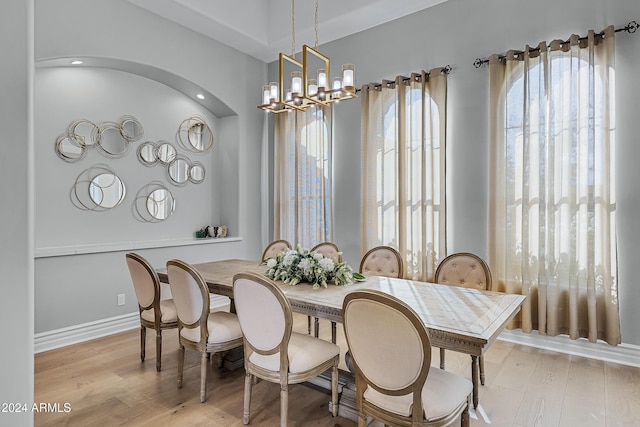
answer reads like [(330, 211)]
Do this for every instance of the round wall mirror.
[(196, 173), (154, 203), (111, 141), (195, 135), (106, 190), (131, 129), (97, 189), (160, 204), (178, 170), (68, 150), (82, 132), (166, 152), (148, 153)]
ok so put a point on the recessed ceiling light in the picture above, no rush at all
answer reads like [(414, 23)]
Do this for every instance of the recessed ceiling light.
[(76, 62), (200, 96)]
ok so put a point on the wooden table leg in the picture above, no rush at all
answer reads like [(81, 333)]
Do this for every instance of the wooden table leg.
[(474, 379), (333, 332)]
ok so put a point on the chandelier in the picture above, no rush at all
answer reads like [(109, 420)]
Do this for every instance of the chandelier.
[(306, 87)]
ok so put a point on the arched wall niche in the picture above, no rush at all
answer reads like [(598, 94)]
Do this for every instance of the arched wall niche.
[(174, 81)]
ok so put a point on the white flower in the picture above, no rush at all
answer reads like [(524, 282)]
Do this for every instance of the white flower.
[(326, 264), (317, 256), (271, 262), (289, 258), (305, 265)]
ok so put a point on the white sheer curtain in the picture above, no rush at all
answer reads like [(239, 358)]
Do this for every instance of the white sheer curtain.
[(552, 210), (303, 177), (403, 167)]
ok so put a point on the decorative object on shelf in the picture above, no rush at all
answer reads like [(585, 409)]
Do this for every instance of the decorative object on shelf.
[(216, 231), (97, 189), (112, 139), (194, 134), (307, 89), (201, 234), (301, 265), (153, 203)]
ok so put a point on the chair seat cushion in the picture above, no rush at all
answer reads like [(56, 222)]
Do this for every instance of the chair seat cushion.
[(305, 353), (167, 312), (222, 326), (442, 393)]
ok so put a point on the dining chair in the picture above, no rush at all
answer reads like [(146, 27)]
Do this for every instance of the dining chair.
[(274, 248), (382, 261), (466, 270), (272, 351), (328, 250), (198, 328), (391, 355), (155, 313)]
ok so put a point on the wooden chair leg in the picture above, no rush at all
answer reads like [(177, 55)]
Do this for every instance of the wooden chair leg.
[(248, 382), (180, 364), (464, 417), (334, 389), (143, 342), (284, 405), (158, 349), (442, 359), (203, 377), (481, 359)]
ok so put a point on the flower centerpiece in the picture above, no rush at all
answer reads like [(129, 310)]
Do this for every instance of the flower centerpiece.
[(302, 265)]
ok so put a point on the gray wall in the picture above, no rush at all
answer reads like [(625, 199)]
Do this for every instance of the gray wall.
[(16, 192), (456, 33), (76, 289)]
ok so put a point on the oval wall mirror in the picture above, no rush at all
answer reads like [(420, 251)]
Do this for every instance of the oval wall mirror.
[(111, 141), (178, 170), (148, 153), (154, 203), (196, 173), (166, 152)]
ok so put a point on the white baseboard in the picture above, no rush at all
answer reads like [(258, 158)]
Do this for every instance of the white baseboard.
[(623, 354), (63, 337)]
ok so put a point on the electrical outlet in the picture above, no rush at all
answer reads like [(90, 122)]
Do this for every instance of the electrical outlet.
[(120, 299)]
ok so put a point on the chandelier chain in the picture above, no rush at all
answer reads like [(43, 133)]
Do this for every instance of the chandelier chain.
[(293, 28)]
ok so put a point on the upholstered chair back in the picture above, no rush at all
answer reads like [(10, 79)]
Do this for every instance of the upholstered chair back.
[(190, 294), (145, 280), (382, 261), (274, 248), (377, 325), (465, 270), (329, 250), (264, 313)]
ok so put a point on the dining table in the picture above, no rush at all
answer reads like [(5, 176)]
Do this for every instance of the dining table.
[(458, 319)]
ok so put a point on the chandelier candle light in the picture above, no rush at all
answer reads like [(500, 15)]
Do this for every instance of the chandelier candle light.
[(306, 89)]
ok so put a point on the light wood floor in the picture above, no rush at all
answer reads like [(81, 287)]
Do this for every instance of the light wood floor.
[(106, 385)]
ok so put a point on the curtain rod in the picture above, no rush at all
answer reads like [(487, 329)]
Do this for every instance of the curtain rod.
[(631, 27), (444, 70)]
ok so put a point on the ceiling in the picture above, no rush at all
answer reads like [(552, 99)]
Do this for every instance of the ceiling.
[(262, 28)]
